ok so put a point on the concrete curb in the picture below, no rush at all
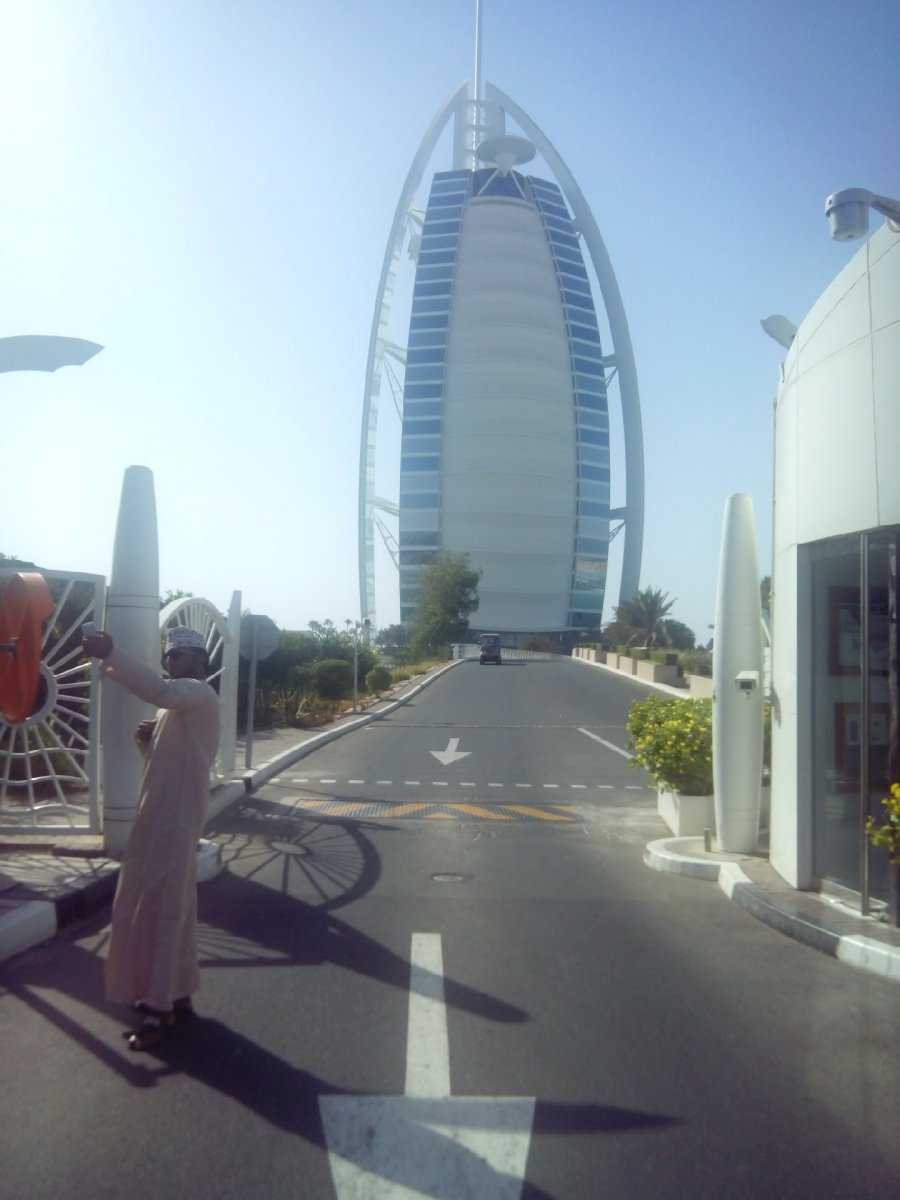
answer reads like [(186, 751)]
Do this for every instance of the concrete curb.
[(681, 693), (26, 922), (793, 918)]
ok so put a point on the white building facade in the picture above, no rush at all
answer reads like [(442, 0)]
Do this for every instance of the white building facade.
[(836, 694), (505, 450)]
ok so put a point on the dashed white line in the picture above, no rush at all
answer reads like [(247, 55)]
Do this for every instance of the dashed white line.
[(356, 781), (551, 785), (439, 783), (581, 786), (383, 782), (300, 780), (327, 781), (523, 785), (495, 785), (605, 787), (633, 787), (466, 783), (412, 782)]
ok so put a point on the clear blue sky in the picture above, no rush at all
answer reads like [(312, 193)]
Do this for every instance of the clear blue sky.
[(206, 189)]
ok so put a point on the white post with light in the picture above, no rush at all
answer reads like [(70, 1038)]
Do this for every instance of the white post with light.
[(738, 683), (132, 620)]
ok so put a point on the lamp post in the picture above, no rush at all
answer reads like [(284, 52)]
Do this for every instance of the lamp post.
[(356, 626)]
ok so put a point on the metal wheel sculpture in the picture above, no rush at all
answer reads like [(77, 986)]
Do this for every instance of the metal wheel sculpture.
[(48, 759)]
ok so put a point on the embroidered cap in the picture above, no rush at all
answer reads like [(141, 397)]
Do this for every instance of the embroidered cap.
[(181, 638)]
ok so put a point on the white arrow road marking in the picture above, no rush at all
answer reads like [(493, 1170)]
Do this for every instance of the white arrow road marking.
[(608, 745), (427, 1143), (451, 754)]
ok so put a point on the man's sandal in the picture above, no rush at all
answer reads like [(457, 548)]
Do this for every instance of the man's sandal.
[(181, 1008), (153, 1029)]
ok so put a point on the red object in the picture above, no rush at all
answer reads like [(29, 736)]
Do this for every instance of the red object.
[(25, 604)]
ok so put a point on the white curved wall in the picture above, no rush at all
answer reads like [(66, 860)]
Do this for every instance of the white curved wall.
[(508, 451), (837, 433)]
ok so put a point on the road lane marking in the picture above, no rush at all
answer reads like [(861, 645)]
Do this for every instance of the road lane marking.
[(535, 814), (439, 783), (633, 787), (383, 782), (299, 781), (523, 785), (551, 785), (356, 781), (427, 1142), (465, 783), (582, 786), (489, 814), (327, 781), (495, 785), (412, 783), (605, 787), (451, 754), (608, 745), (427, 1041)]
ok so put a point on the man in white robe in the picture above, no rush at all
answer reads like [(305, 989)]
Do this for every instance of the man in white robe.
[(152, 958)]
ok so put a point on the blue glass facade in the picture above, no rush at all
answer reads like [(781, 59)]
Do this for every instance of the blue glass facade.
[(420, 484)]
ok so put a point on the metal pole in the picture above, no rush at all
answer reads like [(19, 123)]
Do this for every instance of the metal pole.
[(251, 698), (355, 668)]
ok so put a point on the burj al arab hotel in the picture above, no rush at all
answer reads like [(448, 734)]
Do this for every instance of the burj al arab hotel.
[(502, 388)]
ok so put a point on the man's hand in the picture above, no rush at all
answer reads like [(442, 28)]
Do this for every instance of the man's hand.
[(97, 645), (143, 735)]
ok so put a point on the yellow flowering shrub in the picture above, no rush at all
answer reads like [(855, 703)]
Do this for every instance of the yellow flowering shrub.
[(888, 834), (672, 740)]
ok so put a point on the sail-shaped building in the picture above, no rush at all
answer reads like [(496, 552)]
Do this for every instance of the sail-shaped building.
[(505, 423)]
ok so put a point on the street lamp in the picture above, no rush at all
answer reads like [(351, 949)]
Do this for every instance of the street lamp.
[(356, 626), (848, 212)]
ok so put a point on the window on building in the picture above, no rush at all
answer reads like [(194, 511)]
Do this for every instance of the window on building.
[(420, 462)]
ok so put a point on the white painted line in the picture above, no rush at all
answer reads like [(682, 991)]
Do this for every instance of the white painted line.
[(299, 781), (495, 785), (356, 781), (427, 1043), (412, 783), (633, 787), (581, 786), (384, 782), (525, 785), (439, 783), (608, 745), (427, 1142), (605, 787), (451, 754), (465, 783), (327, 781), (551, 785)]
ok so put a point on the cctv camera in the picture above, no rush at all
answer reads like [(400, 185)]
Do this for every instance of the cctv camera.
[(848, 213)]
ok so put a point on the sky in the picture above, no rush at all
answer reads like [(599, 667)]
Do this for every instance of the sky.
[(206, 189)]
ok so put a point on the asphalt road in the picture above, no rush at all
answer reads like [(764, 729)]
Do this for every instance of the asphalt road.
[(451, 976)]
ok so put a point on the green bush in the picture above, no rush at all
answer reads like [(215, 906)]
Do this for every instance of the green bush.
[(378, 680), (672, 741), (333, 678)]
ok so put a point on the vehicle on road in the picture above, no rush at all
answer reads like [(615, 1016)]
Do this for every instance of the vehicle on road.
[(490, 648)]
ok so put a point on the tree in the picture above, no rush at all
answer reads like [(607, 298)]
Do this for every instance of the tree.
[(449, 593), (645, 614), (333, 678), (171, 595), (678, 635), (394, 640)]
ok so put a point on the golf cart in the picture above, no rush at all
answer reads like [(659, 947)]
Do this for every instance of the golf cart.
[(490, 648)]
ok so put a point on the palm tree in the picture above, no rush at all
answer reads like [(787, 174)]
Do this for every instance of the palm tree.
[(645, 614)]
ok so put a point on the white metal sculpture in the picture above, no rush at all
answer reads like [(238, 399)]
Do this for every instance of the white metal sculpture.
[(48, 762)]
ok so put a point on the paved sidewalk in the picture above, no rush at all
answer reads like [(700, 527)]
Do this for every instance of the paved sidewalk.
[(49, 880), (817, 920)]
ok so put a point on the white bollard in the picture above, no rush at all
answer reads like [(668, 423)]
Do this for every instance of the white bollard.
[(132, 619), (738, 683)]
